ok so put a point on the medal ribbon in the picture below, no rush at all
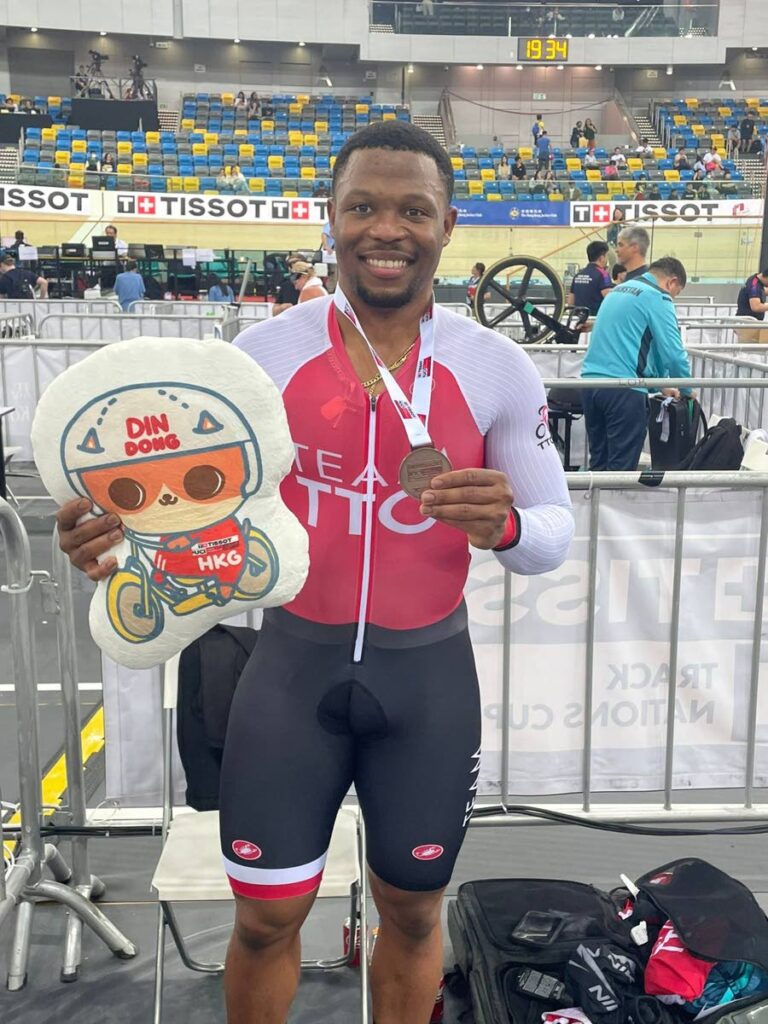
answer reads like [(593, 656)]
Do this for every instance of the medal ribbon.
[(413, 414)]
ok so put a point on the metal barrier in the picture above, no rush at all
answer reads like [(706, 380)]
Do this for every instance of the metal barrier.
[(24, 882), (16, 325), (38, 308), (248, 311), (169, 307), (86, 327)]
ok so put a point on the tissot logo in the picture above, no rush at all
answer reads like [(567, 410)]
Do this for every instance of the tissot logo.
[(126, 204), (582, 213), (146, 204)]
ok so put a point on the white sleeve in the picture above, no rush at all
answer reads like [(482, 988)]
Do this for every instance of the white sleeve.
[(519, 444)]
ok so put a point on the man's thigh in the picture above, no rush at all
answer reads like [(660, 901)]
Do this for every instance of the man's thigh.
[(626, 416), (595, 424), (418, 779)]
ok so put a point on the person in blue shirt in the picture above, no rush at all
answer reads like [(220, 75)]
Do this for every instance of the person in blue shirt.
[(636, 334), (536, 129), (592, 283), (544, 151), (218, 290), (129, 286)]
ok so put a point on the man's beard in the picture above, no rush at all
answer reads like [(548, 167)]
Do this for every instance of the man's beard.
[(391, 300)]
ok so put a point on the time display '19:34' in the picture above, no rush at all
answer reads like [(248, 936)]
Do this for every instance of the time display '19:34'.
[(544, 50)]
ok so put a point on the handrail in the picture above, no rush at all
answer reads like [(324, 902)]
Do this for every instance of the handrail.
[(445, 111)]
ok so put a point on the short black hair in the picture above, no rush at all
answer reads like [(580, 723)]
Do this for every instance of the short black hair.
[(131, 265), (618, 268), (595, 250), (396, 135), (110, 227), (481, 268), (670, 267), (764, 273)]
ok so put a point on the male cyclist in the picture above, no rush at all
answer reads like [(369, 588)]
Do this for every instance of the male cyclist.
[(368, 677)]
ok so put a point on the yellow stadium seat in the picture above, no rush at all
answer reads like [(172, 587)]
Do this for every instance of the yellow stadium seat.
[(659, 153), (79, 146), (630, 187), (475, 188), (188, 124), (256, 184), (308, 172), (615, 187), (210, 138), (140, 161), (487, 174), (191, 184), (593, 174), (555, 197), (310, 139), (634, 164), (199, 149), (753, 101), (124, 147), (603, 197), (125, 168), (290, 193), (267, 125), (333, 161), (14, 97), (763, 112), (54, 101), (302, 98), (388, 116), (573, 163), (321, 127), (61, 156), (295, 138), (361, 108), (174, 184), (457, 163), (724, 111), (294, 109), (228, 99), (76, 180), (240, 132), (275, 163), (48, 134), (495, 197), (698, 130), (692, 103), (246, 151), (680, 120), (153, 138), (525, 153), (672, 175)]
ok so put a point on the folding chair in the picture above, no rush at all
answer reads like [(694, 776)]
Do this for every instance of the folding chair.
[(190, 869)]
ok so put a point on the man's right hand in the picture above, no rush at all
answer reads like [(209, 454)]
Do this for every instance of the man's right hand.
[(86, 541)]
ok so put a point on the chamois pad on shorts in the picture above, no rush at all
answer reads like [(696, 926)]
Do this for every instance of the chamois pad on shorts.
[(187, 442)]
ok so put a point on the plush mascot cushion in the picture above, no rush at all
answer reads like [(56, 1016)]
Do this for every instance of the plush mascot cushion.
[(187, 442)]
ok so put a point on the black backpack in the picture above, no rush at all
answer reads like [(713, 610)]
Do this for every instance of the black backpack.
[(209, 670), (720, 448)]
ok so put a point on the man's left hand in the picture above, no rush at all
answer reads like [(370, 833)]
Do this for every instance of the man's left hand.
[(476, 501)]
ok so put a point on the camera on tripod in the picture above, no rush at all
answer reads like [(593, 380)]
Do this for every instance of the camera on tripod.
[(98, 58), (137, 65)]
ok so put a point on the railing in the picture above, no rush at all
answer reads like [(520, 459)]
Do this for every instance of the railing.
[(110, 327), (16, 325), (98, 86), (445, 112), (561, 20)]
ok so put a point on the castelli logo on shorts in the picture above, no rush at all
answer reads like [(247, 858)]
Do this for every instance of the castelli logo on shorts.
[(664, 878), (246, 850), (429, 852)]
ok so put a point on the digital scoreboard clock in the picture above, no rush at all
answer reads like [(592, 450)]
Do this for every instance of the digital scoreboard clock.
[(542, 50)]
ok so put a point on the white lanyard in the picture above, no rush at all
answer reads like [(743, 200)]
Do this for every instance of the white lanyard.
[(415, 413)]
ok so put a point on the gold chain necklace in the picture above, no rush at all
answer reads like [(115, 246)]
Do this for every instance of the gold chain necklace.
[(371, 383)]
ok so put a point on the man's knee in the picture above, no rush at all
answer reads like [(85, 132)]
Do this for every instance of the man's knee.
[(414, 914), (262, 924)]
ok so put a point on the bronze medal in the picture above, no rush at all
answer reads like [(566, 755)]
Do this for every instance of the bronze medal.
[(419, 468)]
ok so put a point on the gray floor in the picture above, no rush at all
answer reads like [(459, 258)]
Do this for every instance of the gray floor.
[(121, 991)]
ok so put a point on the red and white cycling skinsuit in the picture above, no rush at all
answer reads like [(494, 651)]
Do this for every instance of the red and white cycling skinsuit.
[(216, 552), (367, 676)]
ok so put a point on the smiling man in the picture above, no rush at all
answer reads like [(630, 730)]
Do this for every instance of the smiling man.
[(417, 433)]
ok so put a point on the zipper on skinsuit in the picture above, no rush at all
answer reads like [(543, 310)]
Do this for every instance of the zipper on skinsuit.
[(369, 513)]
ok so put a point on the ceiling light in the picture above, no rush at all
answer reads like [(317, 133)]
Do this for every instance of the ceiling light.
[(302, 44), (237, 40), (519, 67), (409, 69), (479, 67), (670, 69), (102, 33), (560, 67), (598, 67), (591, 35), (33, 30), (568, 35), (754, 49)]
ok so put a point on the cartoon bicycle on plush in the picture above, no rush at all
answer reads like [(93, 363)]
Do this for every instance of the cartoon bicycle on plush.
[(176, 462)]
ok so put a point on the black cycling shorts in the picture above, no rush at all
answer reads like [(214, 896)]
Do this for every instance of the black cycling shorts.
[(306, 723)]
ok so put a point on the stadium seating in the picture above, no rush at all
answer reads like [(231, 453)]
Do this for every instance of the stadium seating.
[(695, 123)]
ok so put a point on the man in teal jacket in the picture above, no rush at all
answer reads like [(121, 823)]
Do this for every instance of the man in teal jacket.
[(636, 334)]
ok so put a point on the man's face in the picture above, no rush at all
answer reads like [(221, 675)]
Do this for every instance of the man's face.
[(391, 220), (111, 233), (602, 261), (626, 252), (673, 286)]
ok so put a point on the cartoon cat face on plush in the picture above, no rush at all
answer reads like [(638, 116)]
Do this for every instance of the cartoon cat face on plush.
[(164, 459)]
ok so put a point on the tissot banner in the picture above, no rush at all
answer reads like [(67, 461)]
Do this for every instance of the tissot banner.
[(245, 209), (674, 213), (31, 199)]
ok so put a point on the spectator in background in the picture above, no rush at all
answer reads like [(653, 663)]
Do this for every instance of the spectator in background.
[(121, 247), (519, 171), (632, 248), (92, 164), (17, 283), (81, 80), (639, 193), (218, 290), (475, 276), (328, 244), (287, 294), (321, 192), (239, 184), (18, 241), (757, 147), (240, 100), (699, 170), (108, 163), (610, 172), (711, 160), (733, 140), (618, 158), (689, 192), (28, 107), (618, 273), (10, 106), (503, 169), (644, 149), (544, 150), (254, 105), (536, 129), (590, 132), (635, 335), (576, 133), (308, 284), (590, 159), (617, 223), (592, 283), (129, 286), (680, 161), (224, 180), (653, 192), (746, 131)]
